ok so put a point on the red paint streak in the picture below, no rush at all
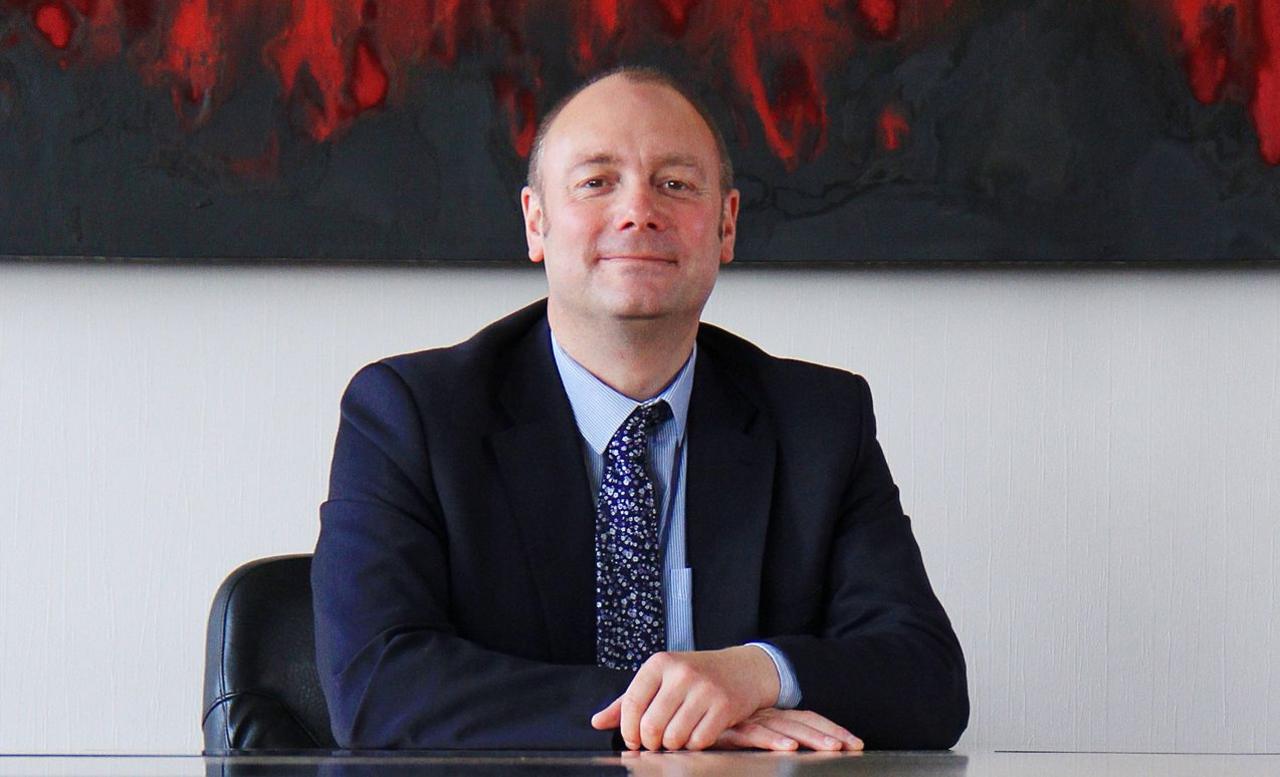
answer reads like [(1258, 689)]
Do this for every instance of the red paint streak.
[(520, 105), (1205, 31), (368, 79), (311, 44), (1266, 95), (606, 12), (54, 21), (675, 16), (193, 50), (1231, 50), (893, 129), (595, 31), (881, 16), (804, 38), (446, 24)]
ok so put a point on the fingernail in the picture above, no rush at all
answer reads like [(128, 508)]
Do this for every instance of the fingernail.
[(785, 742), (830, 741)]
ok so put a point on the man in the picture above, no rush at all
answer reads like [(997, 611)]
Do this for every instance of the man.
[(598, 523)]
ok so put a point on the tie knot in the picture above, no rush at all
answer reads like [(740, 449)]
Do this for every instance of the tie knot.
[(653, 414), (644, 418), (632, 437)]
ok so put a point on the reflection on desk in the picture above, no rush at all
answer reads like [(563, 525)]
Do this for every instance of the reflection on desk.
[(748, 764), (642, 764)]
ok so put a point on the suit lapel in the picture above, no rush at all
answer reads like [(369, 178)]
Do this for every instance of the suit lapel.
[(540, 460), (728, 493)]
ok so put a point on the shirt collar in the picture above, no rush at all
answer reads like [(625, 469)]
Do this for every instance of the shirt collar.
[(600, 410)]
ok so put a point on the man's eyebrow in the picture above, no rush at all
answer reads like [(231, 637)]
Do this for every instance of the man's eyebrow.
[(680, 160), (595, 159)]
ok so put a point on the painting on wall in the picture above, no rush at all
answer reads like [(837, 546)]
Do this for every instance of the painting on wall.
[(862, 130)]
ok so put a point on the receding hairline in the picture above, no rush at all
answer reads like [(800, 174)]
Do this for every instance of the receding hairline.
[(632, 75)]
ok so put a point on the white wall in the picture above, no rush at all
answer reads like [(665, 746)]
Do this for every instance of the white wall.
[(1090, 456)]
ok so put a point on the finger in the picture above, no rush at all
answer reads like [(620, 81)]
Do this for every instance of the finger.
[(682, 724), (609, 717), (828, 727), (753, 735), (654, 721), (644, 686), (806, 735), (707, 732)]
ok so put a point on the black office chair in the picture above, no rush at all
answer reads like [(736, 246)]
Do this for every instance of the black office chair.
[(261, 688)]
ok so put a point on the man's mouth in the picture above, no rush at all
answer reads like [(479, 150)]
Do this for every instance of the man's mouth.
[(637, 258)]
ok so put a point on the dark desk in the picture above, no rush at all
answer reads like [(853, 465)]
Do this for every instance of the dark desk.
[(475, 764)]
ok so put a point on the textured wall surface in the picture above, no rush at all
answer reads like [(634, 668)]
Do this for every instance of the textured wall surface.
[(1090, 459)]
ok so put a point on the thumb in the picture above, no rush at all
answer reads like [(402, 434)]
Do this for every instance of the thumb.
[(609, 717)]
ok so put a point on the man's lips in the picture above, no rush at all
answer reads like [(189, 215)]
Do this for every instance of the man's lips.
[(637, 258)]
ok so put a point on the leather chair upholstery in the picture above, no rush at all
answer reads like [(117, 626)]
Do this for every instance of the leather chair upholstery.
[(261, 688)]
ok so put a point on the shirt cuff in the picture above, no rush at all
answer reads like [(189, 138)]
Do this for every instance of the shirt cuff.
[(788, 688)]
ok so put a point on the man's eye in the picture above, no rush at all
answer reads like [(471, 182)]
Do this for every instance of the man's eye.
[(592, 183), (676, 185)]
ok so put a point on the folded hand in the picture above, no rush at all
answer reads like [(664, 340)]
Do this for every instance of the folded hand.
[(687, 699), (775, 729), (715, 698)]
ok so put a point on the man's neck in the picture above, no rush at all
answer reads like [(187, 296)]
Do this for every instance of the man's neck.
[(637, 358)]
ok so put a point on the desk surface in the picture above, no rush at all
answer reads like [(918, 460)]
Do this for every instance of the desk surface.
[(752, 764)]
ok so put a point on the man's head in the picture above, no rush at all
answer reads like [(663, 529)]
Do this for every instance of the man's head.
[(630, 202)]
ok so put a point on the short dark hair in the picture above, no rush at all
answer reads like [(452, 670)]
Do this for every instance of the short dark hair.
[(637, 75)]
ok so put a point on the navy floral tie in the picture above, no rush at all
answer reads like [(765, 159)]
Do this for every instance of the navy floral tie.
[(630, 614)]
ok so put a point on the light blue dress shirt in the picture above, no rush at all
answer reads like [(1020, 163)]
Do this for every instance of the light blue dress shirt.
[(599, 411)]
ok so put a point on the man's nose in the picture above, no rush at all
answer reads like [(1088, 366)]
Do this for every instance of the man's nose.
[(639, 209)]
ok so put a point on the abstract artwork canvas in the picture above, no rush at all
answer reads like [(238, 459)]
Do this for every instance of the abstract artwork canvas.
[(862, 130)]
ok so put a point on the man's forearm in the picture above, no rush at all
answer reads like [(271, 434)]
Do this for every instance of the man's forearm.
[(894, 690), (417, 688)]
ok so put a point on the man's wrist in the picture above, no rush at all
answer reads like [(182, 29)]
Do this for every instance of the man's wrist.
[(788, 690), (769, 682)]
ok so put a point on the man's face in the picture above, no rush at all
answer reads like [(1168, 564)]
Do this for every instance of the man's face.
[(630, 221)]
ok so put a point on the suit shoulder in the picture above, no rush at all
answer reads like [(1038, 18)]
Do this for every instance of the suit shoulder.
[(754, 366), (474, 362)]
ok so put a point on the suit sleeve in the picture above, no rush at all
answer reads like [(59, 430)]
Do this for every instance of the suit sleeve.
[(394, 671), (886, 664)]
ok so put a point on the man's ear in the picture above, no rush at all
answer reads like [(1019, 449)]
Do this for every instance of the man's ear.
[(534, 223), (728, 225)]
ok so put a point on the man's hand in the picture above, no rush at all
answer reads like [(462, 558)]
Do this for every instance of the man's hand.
[(774, 729), (687, 700)]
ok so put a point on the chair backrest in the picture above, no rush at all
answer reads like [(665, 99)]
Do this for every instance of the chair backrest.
[(261, 688)]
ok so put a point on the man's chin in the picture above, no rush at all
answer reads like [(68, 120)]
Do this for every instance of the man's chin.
[(636, 304)]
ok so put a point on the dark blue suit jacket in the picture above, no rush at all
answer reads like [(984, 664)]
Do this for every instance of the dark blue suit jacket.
[(454, 575)]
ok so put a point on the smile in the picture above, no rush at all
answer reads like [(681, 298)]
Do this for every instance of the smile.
[(637, 258)]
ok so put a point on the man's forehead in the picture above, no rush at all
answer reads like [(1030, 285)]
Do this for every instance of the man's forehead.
[(615, 120)]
